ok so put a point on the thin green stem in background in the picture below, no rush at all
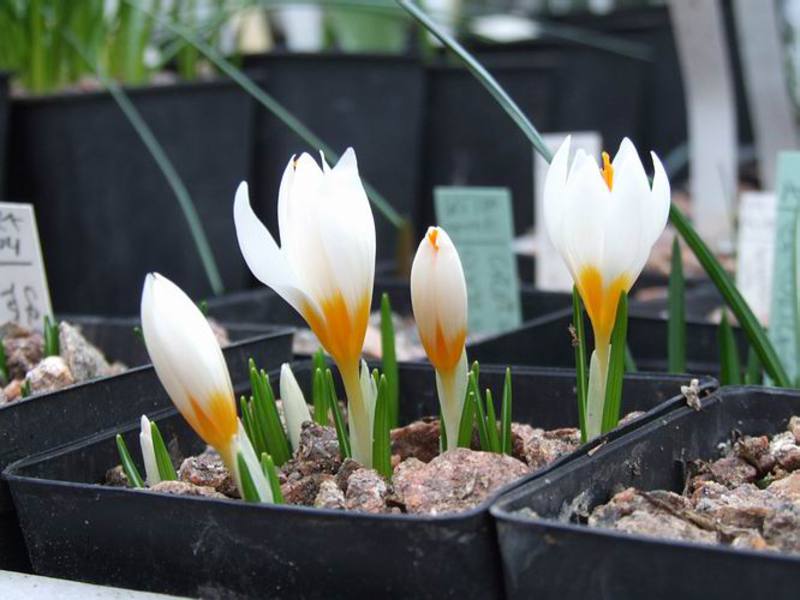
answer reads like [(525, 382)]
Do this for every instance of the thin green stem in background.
[(166, 166), (506, 445), (581, 372), (676, 319), (389, 361)]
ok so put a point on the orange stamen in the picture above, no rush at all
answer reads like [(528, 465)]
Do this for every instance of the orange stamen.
[(601, 301), (607, 171), (433, 236)]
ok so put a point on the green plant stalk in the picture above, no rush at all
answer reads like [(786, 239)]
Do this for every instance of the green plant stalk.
[(730, 366), (676, 320), (249, 491), (272, 105), (131, 472), (483, 429), (581, 370), (51, 343), (505, 416), (616, 367), (163, 461), (165, 165), (467, 424), (338, 421), (265, 416), (319, 395), (271, 473), (389, 361), (247, 423), (711, 265), (491, 423), (381, 441)]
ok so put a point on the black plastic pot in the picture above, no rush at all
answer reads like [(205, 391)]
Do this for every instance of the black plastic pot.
[(105, 212), (221, 548), (547, 342), (373, 103), (546, 558), (4, 77), (49, 421), (469, 139)]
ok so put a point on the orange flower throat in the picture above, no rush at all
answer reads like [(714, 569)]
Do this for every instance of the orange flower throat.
[(601, 300), (339, 332)]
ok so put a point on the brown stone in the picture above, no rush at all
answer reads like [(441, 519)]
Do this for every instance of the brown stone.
[(49, 375), (544, 447), (366, 492), (116, 477), (317, 452), (732, 471), (745, 506), (184, 488), (303, 490), (419, 440), (794, 428), (454, 481), (24, 349), (787, 488), (208, 470), (329, 496), (349, 466), (756, 451), (83, 359), (13, 391)]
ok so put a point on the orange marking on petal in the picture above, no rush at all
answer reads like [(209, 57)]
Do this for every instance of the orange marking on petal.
[(601, 301), (433, 237), (215, 420), (608, 170), (340, 332), (442, 352)]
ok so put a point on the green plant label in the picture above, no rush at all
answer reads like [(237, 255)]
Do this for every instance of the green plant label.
[(24, 296), (782, 318), (481, 225)]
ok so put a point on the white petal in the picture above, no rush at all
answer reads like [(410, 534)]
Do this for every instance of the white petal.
[(554, 184), (152, 475), (253, 466), (295, 408)]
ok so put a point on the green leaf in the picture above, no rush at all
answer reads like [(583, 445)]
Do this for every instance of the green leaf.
[(249, 490), (505, 416), (165, 469), (389, 361), (753, 375), (381, 440), (319, 395), (467, 424), (744, 315), (581, 375), (729, 364), (319, 360), (338, 421), (477, 399), (266, 416), (616, 367), (51, 343), (134, 478), (491, 423), (3, 366), (271, 473), (676, 320), (247, 422)]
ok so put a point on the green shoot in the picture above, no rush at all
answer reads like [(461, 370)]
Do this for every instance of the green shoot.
[(729, 365), (389, 361), (491, 424), (581, 373), (338, 421), (616, 367), (319, 394), (505, 416), (676, 319), (266, 418), (249, 491), (165, 469), (467, 425), (381, 440), (51, 343), (271, 473), (131, 472), (477, 400)]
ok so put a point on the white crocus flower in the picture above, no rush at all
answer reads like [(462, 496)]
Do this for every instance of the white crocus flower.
[(152, 476), (324, 267), (191, 367), (604, 223), (295, 409), (439, 301)]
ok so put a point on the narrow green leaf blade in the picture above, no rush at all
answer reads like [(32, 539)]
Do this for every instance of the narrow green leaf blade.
[(128, 465), (729, 364), (581, 369), (389, 360), (166, 471), (271, 473), (338, 421), (467, 424), (753, 374), (381, 440), (249, 491), (319, 395), (616, 367), (491, 423), (483, 430), (265, 414), (505, 416), (676, 319)]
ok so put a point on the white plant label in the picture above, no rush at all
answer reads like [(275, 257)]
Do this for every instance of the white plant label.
[(24, 296), (756, 251), (551, 273)]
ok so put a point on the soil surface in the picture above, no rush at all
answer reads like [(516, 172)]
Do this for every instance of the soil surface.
[(424, 481), (747, 498)]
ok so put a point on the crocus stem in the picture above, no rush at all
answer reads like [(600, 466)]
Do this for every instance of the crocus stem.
[(598, 375), (451, 387), (358, 419)]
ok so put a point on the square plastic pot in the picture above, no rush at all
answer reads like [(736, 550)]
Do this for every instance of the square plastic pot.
[(372, 103), (48, 421), (223, 548), (546, 558), (105, 212)]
